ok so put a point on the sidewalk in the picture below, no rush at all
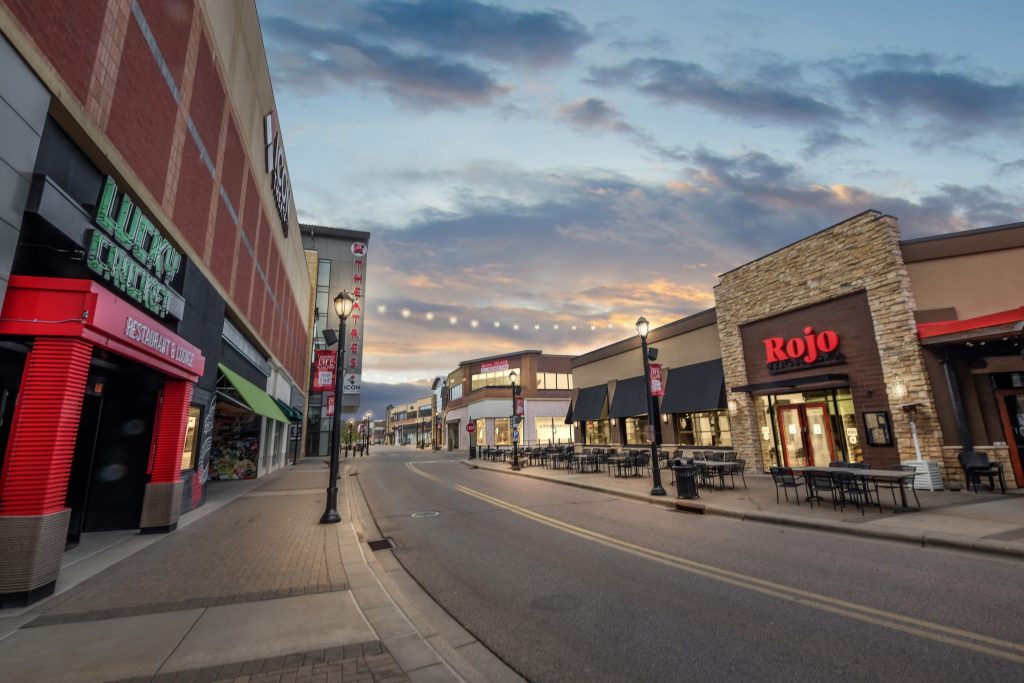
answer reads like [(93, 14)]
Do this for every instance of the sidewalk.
[(253, 589), (979, 522)]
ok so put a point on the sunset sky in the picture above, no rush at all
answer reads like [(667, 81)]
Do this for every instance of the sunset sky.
[(518, 163)]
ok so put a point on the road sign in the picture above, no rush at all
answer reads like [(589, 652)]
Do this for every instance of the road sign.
[(471, 427), (295, 431), (515, 435)]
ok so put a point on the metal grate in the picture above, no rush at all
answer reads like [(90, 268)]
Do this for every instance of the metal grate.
[(382, 544)]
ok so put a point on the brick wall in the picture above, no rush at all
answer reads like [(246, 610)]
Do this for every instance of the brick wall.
[(144, 86), (859, 254)]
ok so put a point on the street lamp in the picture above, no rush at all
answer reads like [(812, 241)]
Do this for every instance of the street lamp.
[(343, 307), (366, 432), (642, 328), (348, 440), (512, 423)]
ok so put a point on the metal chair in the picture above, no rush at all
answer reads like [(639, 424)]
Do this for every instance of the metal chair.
[(977, 465), (895, 486), (785, 479)]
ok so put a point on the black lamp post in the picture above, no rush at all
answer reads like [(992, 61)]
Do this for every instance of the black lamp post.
[(512, 423), (348, 439), (343, 307), (366, 433), (642, 328)]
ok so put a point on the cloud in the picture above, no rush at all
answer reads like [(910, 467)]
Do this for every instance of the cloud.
[(592, 114), (672, 81), (464, 27), (424, 81), (823, 140), (1012, 166)]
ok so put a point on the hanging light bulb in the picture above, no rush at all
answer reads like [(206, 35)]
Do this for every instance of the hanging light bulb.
[(574, 327), (556, 326), (536, 326), (406, 312), (497, 323), (593, 327), (452, 319), (381, 308), (474, 323), (515, 325), (430, 315)]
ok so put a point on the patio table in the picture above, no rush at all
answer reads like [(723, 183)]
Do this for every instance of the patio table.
[(899, 476), (720, 468)]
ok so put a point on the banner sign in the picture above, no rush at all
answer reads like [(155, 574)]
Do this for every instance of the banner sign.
[(325, 363), (329, 410), (494, 366), (520, 410), (657, 385)]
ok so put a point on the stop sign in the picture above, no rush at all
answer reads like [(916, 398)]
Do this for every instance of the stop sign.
[(470, 427)]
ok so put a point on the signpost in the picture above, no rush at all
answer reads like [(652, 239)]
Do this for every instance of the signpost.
[(470, 428)]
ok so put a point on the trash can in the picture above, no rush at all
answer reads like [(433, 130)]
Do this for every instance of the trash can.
[(472, 452), (686, 481)]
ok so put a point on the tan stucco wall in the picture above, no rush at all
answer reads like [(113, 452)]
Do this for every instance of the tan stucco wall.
[(974, 284), (695, 346), (861, 253)]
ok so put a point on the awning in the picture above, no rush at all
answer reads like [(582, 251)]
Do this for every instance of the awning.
[(292, 414), (695, 388), (630, 398), (591, 404), (782, 386), (568, 414), (995, 324), (258, 400)]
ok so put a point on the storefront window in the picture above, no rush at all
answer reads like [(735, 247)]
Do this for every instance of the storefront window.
[(502, 433), (498, 378), (188, 454), (704, 429), (552, 430), (481, 432), (554, 380), (598, 432), (635, 430)]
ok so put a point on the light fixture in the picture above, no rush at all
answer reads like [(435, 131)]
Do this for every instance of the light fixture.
[(497, 323), (406, 312), (536, 326), (733, 406), (343, 305), (574, 327), (593, 327), (381, 308), (452, 320), (664, 418), (898, 390), (474, 323), (556, 326), (614, 422), (512, 376), (430, 315), (515, 326), (642, 326)]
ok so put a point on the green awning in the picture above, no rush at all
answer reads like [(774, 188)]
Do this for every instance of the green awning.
[(258, 400), (293, 415)]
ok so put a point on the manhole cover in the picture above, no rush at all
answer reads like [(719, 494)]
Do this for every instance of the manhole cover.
[(428, 513), (382, 544)]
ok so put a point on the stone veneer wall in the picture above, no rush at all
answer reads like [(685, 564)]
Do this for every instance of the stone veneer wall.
[(861, 253)]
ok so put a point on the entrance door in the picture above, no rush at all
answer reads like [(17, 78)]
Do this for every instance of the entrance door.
[(82, 463), (1011, 411), (806, 435)]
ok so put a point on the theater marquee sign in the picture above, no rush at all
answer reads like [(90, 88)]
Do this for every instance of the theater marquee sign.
[(128, 252)]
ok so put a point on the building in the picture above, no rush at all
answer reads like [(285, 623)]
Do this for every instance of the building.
[(479, 392), (153, 329), (337, 261), (410, 423), (849, 345)]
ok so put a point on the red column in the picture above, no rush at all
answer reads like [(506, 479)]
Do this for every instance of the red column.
[(37, 466), (171, 422)]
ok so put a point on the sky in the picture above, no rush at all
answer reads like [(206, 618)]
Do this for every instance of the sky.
[(552, 171)]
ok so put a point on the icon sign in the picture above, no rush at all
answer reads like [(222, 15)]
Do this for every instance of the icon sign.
[(470, 427)]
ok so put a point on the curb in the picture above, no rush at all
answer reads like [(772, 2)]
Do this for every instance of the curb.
[(932, 539)]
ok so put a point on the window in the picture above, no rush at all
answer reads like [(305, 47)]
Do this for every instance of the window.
[(554, 380), (498, 378), (704, 429), (323, 274), (552, 430), (188, 453), (635, 430), (455, 393), (597, 432), (502, 433)]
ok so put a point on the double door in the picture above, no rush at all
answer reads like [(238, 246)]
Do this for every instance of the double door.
[(806, 434)]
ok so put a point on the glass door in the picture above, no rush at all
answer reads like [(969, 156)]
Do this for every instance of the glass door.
[(819, 434), (791, 431), (1011, 411)]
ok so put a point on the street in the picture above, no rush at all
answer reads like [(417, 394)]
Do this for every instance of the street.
[(566, 584)]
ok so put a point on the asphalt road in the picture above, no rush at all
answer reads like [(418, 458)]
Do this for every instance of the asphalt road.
[(567, 584)]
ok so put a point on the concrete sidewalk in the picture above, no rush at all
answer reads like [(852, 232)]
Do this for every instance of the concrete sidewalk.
[(254, 589), (980, 522)]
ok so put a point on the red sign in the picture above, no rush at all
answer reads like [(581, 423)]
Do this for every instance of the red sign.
[(471, 427), (494, 366), (657, 385), (520, 406), (814, 348), (325, 363), (330, 405)]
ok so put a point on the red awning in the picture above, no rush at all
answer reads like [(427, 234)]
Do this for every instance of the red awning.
[(64, 307), (926, 330)]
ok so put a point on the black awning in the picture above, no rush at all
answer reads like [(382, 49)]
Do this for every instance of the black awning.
[(782, 386), (590, 404), (568, 414), (630, 398), (695, 388)]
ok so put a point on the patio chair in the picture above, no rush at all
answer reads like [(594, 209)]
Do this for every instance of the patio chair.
[(785, 479), (853, 487), (894, 486), (839, 463), (977, 465), (739, 465), (817, 482)]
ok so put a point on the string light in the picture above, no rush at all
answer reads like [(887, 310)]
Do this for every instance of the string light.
[(381, 308), (430, 315), (515, 325), (406, 312), (452, 320), (556, 326), (593, 327), (497, 323), (574, 327), (536, 326), (474, 323)]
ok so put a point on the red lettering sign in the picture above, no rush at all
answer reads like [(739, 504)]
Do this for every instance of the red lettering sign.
[(325, 363), (797, 352)]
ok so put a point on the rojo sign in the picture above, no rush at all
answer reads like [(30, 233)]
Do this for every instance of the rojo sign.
[(796, 353), (129, 252)]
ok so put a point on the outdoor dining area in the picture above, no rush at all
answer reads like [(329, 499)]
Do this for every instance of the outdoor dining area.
[(847, 483)]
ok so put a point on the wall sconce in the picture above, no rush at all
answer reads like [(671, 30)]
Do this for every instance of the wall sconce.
[(733, 406), (664, 418), (614, 422), (897, 390)]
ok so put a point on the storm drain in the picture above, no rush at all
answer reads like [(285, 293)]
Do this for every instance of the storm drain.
[(427, 513), (382, 544)]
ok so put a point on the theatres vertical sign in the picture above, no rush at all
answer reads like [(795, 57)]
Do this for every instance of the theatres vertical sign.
[(353, 371)]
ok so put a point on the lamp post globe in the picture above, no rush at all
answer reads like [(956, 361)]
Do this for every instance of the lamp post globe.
[(512, 376), (343, 307), (642, 328)]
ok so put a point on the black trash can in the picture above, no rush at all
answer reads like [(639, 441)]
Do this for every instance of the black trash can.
[(472, 452), (686, 481)]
